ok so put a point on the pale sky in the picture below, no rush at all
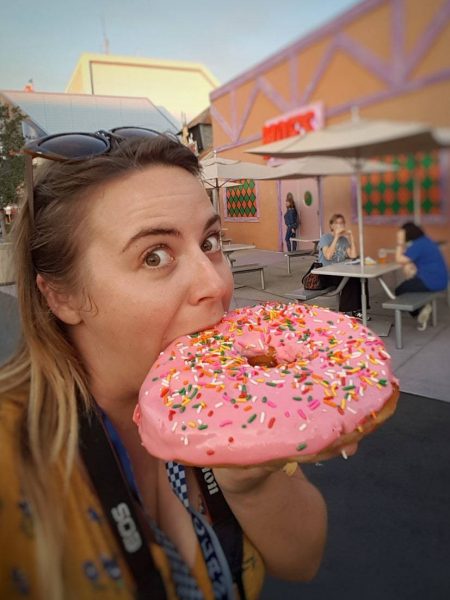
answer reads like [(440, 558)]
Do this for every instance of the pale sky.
[(43, 39)]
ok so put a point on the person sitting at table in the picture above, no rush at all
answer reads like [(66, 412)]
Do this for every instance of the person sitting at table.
[(423, 265), (291, 222), (337, 247)]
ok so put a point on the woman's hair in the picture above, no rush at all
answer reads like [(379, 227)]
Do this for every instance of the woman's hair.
[(412, 231), (290, 200), (335, 217), (46, 375)]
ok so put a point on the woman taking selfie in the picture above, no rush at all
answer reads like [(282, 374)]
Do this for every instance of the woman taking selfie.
[(118, 253)]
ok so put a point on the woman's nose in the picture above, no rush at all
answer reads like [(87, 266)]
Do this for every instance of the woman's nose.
[(211, 280)]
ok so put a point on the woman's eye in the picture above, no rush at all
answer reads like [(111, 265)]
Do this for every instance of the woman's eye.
[(212, 243), (158, 258)]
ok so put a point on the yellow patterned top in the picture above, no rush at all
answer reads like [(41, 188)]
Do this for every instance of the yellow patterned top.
[(92, 562)]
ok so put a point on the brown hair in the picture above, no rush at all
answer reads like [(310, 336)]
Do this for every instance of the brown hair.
[(45, 375), (290, 200), (335, 217)]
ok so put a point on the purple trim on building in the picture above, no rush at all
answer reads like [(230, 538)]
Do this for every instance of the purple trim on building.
[(267, 88), (329, 28), (323, 65), (408, 86), (246, 113), (293, 81), (280, 216), (433, 30), (366, 57), (234, 115), (215, 114), (400, 219), (248, 140), (398, 41)]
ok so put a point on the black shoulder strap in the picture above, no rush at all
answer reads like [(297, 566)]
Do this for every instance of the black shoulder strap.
[(117, 500), (224, 524)]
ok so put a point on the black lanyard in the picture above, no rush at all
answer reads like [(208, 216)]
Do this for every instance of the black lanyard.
[(224, 523), (108, 478)]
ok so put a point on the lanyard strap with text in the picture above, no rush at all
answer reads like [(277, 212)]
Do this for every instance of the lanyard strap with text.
[(216, 562)]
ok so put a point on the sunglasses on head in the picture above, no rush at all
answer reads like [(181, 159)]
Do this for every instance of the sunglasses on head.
[(80, 146)]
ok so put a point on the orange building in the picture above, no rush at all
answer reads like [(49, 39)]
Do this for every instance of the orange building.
[(388, 58)]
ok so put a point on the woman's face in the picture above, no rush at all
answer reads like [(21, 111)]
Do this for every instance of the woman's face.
[(338, 225), (153, 271)]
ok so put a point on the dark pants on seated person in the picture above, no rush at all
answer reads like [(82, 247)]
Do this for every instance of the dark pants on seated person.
[(350, 296), (415, 284)]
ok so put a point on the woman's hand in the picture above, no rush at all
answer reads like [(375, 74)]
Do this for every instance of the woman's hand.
[(240, 480)]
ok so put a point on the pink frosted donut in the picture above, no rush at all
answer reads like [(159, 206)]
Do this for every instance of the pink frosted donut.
[(268, 383)]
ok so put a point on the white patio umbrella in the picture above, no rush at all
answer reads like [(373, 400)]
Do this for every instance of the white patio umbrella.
[(318, 166), (218, 172)]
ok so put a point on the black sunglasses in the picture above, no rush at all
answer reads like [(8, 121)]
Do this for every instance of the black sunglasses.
[(80, 146)]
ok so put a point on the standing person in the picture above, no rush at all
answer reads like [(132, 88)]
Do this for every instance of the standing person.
[(100, 297), (291, 221), (423, 265), (335, 247)]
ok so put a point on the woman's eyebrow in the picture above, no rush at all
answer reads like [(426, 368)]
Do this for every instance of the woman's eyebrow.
[(150, 232), (156, 231), (212, 221)]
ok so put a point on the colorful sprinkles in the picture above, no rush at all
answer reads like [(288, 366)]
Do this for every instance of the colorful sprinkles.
[(326, 364)]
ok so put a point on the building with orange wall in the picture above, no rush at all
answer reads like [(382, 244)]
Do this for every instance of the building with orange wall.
[(388, 58)]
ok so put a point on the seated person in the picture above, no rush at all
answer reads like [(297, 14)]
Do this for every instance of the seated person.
[(423, 265), (335, 247)]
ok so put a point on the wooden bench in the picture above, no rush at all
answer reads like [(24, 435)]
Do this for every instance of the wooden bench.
[(248, 268), (409, 302), (290, 255)]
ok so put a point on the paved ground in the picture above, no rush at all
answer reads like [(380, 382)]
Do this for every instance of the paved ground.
[(389, 526)]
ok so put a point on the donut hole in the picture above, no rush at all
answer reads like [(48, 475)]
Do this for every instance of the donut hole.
[(268, 359)]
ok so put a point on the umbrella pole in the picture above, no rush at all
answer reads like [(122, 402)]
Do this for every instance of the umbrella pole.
[(416, 199), (320, 189), (215, 198), (361, 241)]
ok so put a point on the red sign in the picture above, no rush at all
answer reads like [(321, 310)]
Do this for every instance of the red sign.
[(295, 122)]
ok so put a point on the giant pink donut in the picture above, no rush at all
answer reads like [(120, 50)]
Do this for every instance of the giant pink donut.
[(271, 383)]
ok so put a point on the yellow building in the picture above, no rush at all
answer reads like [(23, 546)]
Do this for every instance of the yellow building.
[(388, 58), (180, 87)]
